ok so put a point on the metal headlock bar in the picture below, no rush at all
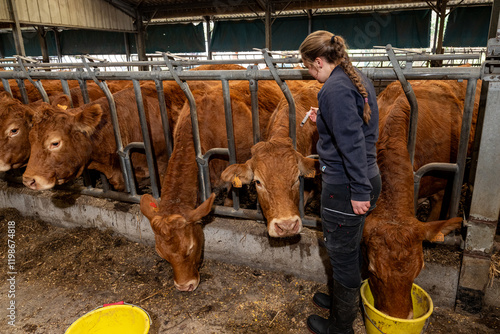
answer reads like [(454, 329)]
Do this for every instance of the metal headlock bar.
[(412, 100), (253, 75), (124, 157), (164, 116), (6, 86), (37, 84)]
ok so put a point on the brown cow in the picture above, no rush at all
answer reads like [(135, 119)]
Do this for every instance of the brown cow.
[(15, 124), (180, 188), (393, 236), (51, 87), (279, 196), (16, 121), (64, 142), (394, 215)]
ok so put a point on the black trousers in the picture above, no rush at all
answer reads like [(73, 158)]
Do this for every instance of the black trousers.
[(343, 229)]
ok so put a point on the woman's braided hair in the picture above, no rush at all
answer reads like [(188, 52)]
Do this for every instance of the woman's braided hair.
[(333, 48)]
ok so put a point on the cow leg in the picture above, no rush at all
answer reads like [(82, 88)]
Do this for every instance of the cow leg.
[(436, 203)]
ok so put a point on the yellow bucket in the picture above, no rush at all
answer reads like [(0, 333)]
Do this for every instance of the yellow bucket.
[(116, 318), (377, 322)]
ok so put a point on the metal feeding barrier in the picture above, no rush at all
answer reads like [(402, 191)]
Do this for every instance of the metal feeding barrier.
[(172, 69)]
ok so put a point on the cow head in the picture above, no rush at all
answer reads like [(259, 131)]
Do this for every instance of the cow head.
[(395, 256), (15, 124), (179, 239), (60, 145), (275, 168)]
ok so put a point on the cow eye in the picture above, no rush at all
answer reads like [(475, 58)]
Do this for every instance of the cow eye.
[(55, 144), (257, 183), (13, 132)]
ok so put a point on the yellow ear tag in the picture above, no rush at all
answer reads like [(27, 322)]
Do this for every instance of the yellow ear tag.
[(439, 237), (237, 182), (63, 107), (310, 174)]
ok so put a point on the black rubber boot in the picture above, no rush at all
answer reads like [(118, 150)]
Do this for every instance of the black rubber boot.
[(322, 300), (342, 315)]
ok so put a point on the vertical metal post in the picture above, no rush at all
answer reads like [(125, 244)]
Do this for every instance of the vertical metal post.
[(164, 117), (150, 158), (231, 144), (254, 97), (463, 146)]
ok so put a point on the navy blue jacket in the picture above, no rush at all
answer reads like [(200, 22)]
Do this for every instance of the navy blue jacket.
[(346, 145)]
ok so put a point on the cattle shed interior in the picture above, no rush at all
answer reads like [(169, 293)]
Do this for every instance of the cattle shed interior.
[(96, 41)]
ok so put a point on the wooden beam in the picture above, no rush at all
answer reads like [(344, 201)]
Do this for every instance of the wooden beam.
[(57, 36), (209, 37), (268, 26), (42, 39), (16, 29), (140, 38)]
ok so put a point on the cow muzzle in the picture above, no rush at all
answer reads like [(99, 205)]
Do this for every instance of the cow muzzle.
[(4, 166), (280, 228), (188, 286), (37, 182)]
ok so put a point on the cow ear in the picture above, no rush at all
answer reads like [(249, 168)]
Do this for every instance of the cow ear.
[(5, 94), (149, 206), (88, 119), (433, 229), (238, 174), (201, 211), (308, 167), (61, 101)]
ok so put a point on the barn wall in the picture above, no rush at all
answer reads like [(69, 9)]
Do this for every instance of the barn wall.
[(4, 12), (90, 14)]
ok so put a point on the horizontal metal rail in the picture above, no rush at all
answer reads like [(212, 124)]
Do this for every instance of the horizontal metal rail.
[(281, 60), (455, 73), (252, 75)]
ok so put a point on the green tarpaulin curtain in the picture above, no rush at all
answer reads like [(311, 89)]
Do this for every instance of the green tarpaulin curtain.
[(169, 37), (175, 38), (468, 27), (404, 29)]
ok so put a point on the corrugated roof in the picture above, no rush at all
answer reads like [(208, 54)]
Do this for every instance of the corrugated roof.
[(180, 10)]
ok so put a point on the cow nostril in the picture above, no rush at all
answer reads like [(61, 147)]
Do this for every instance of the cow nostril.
[(30, 183), (278, 228)]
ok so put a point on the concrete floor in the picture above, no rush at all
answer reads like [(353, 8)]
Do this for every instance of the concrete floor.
[(234, 241)]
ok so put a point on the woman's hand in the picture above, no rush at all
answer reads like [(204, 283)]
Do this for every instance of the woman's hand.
[(313, 113), (360, 208)]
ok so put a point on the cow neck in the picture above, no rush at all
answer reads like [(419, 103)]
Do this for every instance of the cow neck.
[(396, 170), (180, 184)]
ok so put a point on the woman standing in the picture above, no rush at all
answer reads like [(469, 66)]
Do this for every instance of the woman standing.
[(347, 122)]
